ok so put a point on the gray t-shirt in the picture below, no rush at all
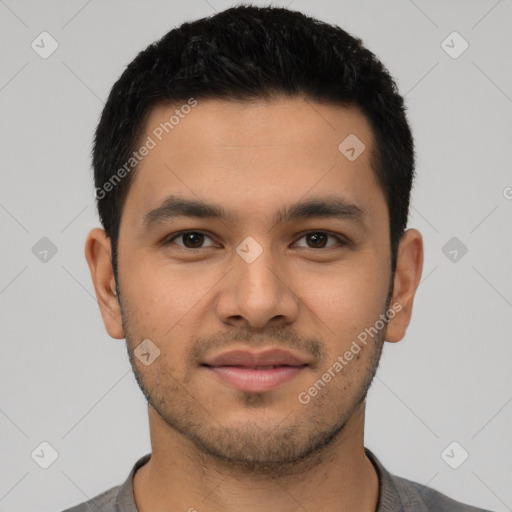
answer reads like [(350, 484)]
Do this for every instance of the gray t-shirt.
[(396, 494)]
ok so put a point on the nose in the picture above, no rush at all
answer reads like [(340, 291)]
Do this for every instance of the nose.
[(257, 293)]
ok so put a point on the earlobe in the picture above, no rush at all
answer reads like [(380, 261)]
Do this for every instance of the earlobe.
[(407, 278), (98, 253)]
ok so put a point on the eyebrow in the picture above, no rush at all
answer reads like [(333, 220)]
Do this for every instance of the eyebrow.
[(330, 206)]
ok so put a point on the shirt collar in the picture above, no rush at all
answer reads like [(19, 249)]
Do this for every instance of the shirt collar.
[(125, 501)]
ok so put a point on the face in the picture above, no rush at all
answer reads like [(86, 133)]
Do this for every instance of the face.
[(251, 308)]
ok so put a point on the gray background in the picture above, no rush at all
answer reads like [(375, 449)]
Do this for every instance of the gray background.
[(64, 381)]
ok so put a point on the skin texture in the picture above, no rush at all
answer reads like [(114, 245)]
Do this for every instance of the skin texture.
[(214, 447)]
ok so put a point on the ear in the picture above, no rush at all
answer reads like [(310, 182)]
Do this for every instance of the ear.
[(407, 278), (98, 252)]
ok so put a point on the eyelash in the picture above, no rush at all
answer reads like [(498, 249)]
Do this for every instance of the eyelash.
[(341, 240)]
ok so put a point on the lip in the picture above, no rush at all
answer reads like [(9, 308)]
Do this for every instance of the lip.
[(269, 357), (255, 372)]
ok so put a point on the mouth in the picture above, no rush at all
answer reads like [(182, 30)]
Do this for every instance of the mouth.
[(255, 372)]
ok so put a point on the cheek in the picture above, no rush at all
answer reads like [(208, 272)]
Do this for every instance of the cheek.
[(162, 303), (157, 291), (346, 300)]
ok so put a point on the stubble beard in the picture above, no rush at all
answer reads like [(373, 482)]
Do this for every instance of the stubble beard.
[(274, 451)]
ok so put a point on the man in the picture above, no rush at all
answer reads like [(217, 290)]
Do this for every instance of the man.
[(253, 172)]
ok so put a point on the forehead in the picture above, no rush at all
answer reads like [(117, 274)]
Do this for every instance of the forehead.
[(306, 124), (261, 154)]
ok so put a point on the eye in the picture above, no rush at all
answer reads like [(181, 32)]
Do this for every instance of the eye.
[(190, 239), (319, 239)]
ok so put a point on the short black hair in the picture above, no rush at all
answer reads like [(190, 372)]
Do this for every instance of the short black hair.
[(248, 53)]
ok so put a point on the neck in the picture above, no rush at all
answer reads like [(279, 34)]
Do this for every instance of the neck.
[(180, 477)]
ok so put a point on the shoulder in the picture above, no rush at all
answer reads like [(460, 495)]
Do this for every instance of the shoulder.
[(116, 499), (415, 496), (104, 502), (398, 494)]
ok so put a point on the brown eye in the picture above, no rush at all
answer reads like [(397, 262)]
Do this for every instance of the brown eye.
[(194, 239), (318, 240), (190, 239)]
